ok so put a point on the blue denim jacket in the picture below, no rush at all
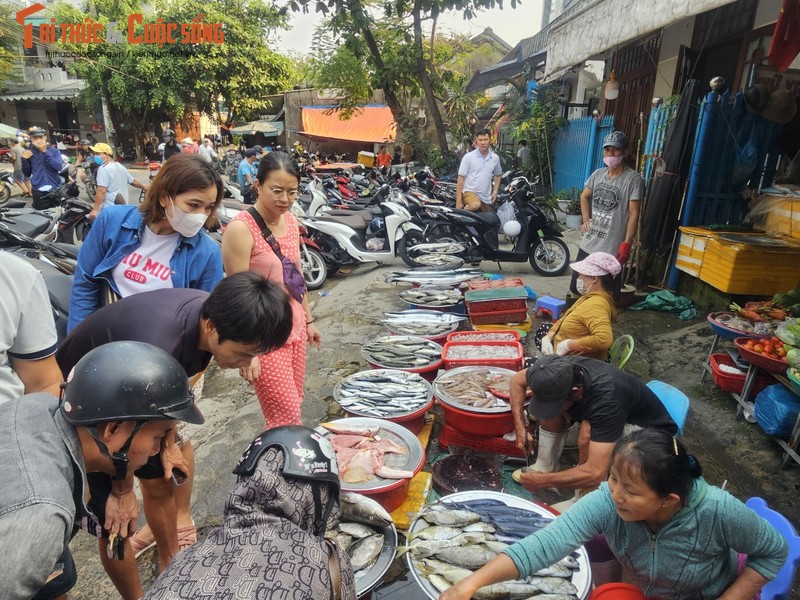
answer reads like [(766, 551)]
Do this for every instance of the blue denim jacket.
[(196, 263), (42, 494)]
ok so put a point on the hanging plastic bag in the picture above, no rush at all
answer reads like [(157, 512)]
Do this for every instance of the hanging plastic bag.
[(776, 411), (506, 212)]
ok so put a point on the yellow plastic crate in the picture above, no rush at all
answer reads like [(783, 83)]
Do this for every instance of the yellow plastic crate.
[(691, 249), (740, 268), (784, 219), (366, 158), (420, 485), (524, 326)]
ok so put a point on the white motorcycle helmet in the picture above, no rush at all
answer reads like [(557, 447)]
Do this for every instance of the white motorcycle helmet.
[(512, 228)]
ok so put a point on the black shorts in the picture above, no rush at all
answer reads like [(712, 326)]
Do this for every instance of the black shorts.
[(64, 582), (100, 490)]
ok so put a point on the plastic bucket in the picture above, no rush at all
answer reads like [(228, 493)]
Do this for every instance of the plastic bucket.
[(617, 591), (479, 424)]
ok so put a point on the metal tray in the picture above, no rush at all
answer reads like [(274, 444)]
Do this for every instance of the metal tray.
[(411, 461), (367, 579), (444, 397), (581, 579), (413, 338), (427, 402)]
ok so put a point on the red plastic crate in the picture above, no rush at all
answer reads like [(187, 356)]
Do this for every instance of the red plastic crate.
[(503, 363), (512, 335), (500, 317), (506, 300), (497, 445), (729, 382), (492, 284)]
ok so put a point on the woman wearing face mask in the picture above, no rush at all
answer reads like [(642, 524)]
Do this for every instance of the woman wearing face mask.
[(610, 203), (158, 244), (586, 326)]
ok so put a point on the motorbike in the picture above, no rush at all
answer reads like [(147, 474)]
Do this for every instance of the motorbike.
[(356, 236), (40, 225), (534, 237), (74, 224), (6, 187)]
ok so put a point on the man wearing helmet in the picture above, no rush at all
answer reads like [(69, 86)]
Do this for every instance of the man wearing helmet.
[(610, 204), (244, 316), (120, 401), (42, 164), (276, 516), (171, 146)]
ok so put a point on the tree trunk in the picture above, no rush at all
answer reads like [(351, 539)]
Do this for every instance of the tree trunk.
[(425, 81), (388, 93)]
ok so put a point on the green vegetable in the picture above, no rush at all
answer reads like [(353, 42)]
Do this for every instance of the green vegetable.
[(795, 310), (793, 358), (780, 299), (793, 296)]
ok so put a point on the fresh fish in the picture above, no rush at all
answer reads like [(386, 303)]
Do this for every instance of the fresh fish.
[(477, 527), (357, 508), (552, 597), (494, 545), (453, 574), (436, 532), (366, 551), (439, 582), (469, 388), (383, 393), (482, 351), (356, 530), (555, 570), (467, 557), (507, 590), (417, 315), (449, 517), (432, 296), (445, 260), (552, 585), (351, 429), (570, 562), (343, 540), (390, 473)]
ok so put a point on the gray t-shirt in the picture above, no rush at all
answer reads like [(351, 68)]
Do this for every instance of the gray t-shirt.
[(17, 152), (610, 198), (115, 178)]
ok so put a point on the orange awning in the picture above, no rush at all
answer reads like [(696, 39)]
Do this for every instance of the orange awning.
[(372, 124)]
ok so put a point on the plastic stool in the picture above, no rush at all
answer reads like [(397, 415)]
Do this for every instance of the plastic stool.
[(547, 305)]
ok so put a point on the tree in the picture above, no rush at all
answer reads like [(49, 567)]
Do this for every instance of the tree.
[(10, 33)]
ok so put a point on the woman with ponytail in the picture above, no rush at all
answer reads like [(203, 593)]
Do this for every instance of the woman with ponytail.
[(676, 536)]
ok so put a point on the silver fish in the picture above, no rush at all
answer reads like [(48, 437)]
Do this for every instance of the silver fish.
[(436, 532), (467, 557), (342, 539), (361, 509), (366, 551), (452, 518), (555, 570), (439, 582), (507, 590), (476, 527), (356, 530), (453, 574), (552, 585)]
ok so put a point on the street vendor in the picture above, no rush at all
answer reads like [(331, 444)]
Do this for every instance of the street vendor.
[(270, 543), (606, 401), (677, 536)]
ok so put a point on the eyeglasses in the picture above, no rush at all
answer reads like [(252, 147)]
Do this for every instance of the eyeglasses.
[(288, 194)]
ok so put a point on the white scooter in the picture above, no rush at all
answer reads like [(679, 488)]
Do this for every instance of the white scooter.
[(359, 235)]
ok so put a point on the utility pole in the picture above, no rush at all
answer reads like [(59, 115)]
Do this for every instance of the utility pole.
[(110, 133)]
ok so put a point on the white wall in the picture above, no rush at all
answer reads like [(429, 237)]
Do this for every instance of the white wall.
[(674, 36), (767, 12)]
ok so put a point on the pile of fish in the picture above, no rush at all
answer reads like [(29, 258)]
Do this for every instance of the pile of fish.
[(432, 296), (440, 248), (360, 453), (383, 393), (402, 352), (489, 336), (440, 260), (458, 538), (424, 323), (474, 388), (359, 532), (482, 351), (432, 276)]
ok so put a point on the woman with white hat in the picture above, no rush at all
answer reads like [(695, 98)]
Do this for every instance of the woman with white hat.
[(585, 328)]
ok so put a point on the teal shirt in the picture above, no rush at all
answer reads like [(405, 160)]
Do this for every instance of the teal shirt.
[(693, 557)]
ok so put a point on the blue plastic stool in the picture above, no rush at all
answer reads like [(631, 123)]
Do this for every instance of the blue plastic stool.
[(550, 306), (674, 400), (779, 588)]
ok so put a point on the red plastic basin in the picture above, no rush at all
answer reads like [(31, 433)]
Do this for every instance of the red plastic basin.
[(479, 424), (617, 591)]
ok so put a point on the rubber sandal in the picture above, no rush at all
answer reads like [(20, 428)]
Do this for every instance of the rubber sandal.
[(187, 536), (140, 546)]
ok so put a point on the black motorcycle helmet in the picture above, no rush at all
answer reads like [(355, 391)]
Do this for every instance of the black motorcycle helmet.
[(36, 131), (126, 381), (306, 455), (168, 133)]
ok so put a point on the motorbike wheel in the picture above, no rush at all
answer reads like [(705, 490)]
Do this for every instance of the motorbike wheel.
[(75, 235), (91, 190), (406, 244), (315, 272), (5, 194), (550, 257)]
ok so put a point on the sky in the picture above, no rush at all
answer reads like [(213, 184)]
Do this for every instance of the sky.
[(511, 25)]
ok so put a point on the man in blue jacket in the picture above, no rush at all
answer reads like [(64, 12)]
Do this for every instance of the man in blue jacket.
[(41, 163)]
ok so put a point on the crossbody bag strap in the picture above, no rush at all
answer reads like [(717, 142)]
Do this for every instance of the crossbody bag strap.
[(266, 232), (335, 570)]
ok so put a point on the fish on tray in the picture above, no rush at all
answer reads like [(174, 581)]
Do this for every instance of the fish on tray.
[(361, 509), (383, 394), (444, 552), (473, 388), (432, 296), (403, 352), (359, 532)]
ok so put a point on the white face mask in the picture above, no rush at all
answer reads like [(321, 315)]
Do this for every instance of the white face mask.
[(187, 224), (580, 285)]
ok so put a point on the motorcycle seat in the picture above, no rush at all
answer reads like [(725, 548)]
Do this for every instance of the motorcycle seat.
[(365, 214), (353, 222), (15, 204), (28, 224), (234, 204), (489, 217)]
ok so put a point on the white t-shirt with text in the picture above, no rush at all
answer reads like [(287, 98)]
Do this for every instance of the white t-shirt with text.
[(146, 268)]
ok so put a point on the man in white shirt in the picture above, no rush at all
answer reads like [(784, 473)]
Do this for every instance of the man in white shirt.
[(28, 339), (478, 176), (112, 181), (206, 151)]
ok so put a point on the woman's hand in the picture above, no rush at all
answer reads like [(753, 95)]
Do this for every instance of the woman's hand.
[(314, 336), (171, 456), (457, 592), (252, 372), (122, 512), (564, 348), (547, 345)]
